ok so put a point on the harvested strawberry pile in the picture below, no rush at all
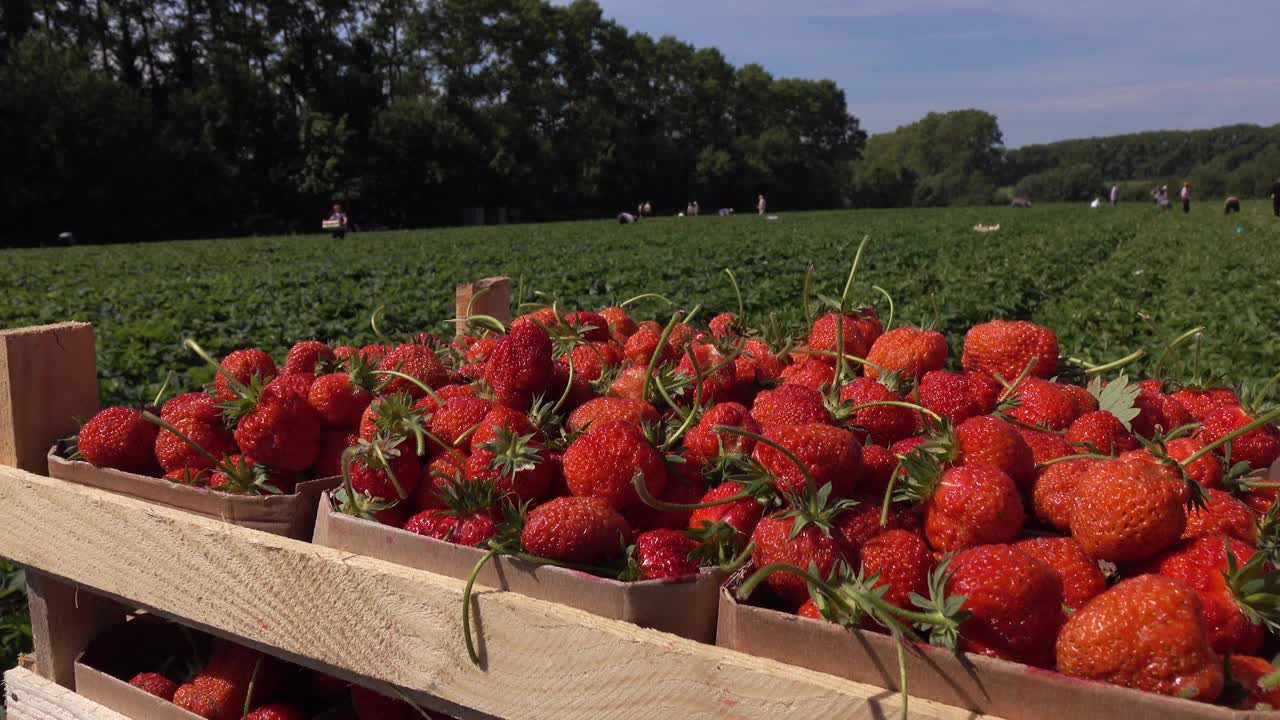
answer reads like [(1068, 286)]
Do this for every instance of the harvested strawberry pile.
[(1009, 502)]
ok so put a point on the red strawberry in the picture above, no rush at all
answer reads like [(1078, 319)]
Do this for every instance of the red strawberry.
[(830, 454), (1202, 563), (591, 360), (332, 444), (1006, 348), (416, 361), (1249, 672), (513, 464), (1081, 579), (199, 405), (341, 398), (1222, 514), (1157, 414), (1043, 404), (467, 521), (641, 345), (988, 440), (776, 539), (438, 475), (1101, 432), (970, 505), (520, 367), (950, 395), (1015, 601), (242, 475), (811, 372), (371, 705), (384, 469), (702, 444), (1046, 446), (375, 353), (789, 405), (119, 438), (1259, 447), (1202, 403), (602, 463), (1082, 401), (453, 423), (758, 364), (281, 430), (1128, 509), (742, 515), (276, 711), (859, 331), (305, 356), (244, 365), (685, 486), (1206, 469), (621, 326), (296, 383), (572, 529), (592, 327), (174, 453), (1054, 494), (909, 352), (720, 382), (630, 383), (501, 418), (859, 523), (603, 410), (391, 415), (878, 465), (886, 424), (724, 325), (188, 476), (665, 554), (903, 563), (984, 390), (155, 684)]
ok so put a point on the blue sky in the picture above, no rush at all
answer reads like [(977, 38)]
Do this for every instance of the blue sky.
[(1048, 70)]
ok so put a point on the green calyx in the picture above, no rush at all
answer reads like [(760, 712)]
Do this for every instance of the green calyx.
[(1255, 587), (512, 453), (814, 506)]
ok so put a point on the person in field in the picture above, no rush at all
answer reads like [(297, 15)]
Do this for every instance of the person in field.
[(1115, 195), (1162, 198), (626, 218), (1019, 202), (760, 204), (337, 222), (1232, 205), (1185, 196)]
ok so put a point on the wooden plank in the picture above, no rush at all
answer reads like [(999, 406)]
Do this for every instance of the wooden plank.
[(402, 626), (490, 296), (31, 697), (48, 380)]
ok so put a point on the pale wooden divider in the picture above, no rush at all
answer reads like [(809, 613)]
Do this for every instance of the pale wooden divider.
[(357, 617)]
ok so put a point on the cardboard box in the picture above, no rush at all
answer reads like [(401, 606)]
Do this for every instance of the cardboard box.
[(289, 515), (682, 607), (984, 685), (144, 644)]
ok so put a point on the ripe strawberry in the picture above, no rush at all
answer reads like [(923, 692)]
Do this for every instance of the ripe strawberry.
[(1043, 404), (1006, 348), (467, 519), (1081, 579), (758, 364), (789, 405), (501, 418), (777, 539), (576, 390), (1206, 469), (984, 390), (394, 414), (621, 326), (242, 475), (453, 423), (603, 410), (591, 360), (950, 395), (859, 330), (1101, 432), (602, 463), (198, 405), (1202, 403), (1053, 497), (384, 469), (642, 343), (155, 684), (243, 365), (685, 486), (1157, 414), (574, 529), (591, 326), (545, 317), (119, 438), (174, 453), (1147, 633), (988, 440), (665, 555), (297, 383), (1259, 447), (966, 506), (724, 325), (438, 475), (830, 454), (276, 711), (742, 515), (878, 466), (909, 352), (188, 476), (513, 464), (208, 698), (811, 372), (416, 361), (886, 424), (1127, 510), (720, 382), (1046, 446), (341, 398), (1015, 601), (1082, 401), (1222, 514), (903, 562), (332, 444), (1202, 564), (1249, 672), (281, 430), (371, 705), (306, 355), (702, 444), (861, 522), (520, 367), (375, 353)]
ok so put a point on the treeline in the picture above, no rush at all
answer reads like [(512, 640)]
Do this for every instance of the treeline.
[(140, 119)]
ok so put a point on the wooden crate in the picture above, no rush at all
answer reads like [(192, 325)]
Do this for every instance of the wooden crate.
[(90, 552)]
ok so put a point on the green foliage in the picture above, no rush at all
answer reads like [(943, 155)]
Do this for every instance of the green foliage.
[(942, 159), (1077, 183), (15, 627)]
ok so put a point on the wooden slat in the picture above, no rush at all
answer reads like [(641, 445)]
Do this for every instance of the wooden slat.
[(31, 697), (402, 626), (490, 296), (48, 379)]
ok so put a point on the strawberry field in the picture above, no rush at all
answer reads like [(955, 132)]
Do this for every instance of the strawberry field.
[(1106, 281)]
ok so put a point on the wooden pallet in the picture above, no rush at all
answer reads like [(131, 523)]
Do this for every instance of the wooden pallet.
[(90, 552)]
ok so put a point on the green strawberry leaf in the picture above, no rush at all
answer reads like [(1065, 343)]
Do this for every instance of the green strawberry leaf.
[(1117, 398)]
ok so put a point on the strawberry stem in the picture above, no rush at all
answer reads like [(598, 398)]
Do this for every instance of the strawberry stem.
[(217, 367), (146, 415), (466, 605), (373, 321), (898, 403), (771, 443), (657, 354), (1079, 456), (848, 283), (568, 385), (164, 388), (889, 324), (253, 679), (646, 296), (1159, 363), (1262, 420), (832, 353), (742, 313), (1114, 364), (415, 382), (647, 498)]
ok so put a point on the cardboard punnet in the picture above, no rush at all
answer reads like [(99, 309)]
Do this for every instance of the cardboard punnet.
[(984, 685), (684, 607), (289, 515)]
